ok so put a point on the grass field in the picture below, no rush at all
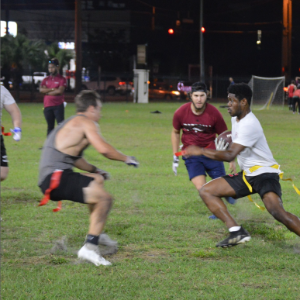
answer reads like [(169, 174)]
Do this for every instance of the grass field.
[(166, 241)]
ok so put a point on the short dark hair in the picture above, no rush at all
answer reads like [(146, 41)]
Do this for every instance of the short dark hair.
[(54, 61), (241, 91), (293, 82), (199, 87), (85, 99)]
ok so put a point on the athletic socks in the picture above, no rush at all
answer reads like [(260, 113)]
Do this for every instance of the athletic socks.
[(92, 239), (234, 228)]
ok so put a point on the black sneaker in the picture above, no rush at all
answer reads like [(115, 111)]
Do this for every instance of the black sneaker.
[(237, 237)]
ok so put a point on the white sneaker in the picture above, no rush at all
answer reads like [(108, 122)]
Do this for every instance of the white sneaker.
[(105, 240), (91, 253)]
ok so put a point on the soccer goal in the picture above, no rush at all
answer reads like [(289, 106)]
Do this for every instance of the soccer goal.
[(267, 91)]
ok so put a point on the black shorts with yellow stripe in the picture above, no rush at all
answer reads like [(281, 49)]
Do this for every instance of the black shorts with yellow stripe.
[(261, 184)]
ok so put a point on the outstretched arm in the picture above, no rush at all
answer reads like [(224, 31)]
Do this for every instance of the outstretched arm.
[(227, 155), (15, 114), (96, 140)]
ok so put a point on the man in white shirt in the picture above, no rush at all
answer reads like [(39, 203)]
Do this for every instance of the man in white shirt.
[(9, 104), (260, 172)]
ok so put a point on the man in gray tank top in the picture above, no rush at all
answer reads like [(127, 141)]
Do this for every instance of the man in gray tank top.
[(62, 151)]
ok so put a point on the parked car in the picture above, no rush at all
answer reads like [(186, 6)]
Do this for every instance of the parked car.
[(163, 91), (37, 79), (109, 84)]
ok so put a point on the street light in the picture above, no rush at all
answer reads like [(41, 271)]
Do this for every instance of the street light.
[(258, 42)]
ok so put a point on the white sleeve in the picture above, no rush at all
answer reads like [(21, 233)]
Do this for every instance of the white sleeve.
[(6, 97), (248, 135)]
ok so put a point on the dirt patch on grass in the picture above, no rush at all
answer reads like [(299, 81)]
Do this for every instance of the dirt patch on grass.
[(132, 251)]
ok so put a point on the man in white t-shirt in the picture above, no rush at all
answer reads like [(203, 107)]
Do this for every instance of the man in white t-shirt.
[(8, 102), (260, 172)]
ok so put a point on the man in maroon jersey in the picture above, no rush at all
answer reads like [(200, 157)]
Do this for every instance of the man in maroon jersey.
[(199, 122), (53, 87)]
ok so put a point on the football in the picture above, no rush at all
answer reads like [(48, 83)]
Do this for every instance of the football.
[(225, 136)]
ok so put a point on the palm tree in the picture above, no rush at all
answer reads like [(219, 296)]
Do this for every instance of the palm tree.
[(19, 53)]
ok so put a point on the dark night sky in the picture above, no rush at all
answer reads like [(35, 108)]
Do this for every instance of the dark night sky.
[(229, 53)]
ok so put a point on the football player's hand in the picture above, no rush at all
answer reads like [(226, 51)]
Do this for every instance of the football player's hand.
[(105, 174), (131, 161), (17, 133), (221, 145), (175, 164)]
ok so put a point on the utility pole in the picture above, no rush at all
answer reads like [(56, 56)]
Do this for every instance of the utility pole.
[(7, 20), (286, 55), (202, 70), (78, 46), (153, 18)]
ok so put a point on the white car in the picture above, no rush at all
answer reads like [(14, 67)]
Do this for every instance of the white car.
[(108, 84), (37, 79)]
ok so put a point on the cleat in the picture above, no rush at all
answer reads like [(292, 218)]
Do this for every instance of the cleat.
[(237, 237), (105, 240), (213, 217), (91, 253)]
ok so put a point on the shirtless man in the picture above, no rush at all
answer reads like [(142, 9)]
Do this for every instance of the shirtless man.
[(63, 150)]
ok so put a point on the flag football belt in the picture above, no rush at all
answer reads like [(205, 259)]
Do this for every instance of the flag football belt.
[(251, 170), (54, 183), (5, 133)]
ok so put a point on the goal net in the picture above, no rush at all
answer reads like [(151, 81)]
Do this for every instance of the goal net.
[(267, 91)]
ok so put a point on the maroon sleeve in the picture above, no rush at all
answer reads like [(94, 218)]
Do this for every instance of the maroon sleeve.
[(220, 124), (176, 120), (63, 82)]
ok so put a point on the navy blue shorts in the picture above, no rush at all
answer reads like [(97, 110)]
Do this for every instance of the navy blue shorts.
[(202, 165)]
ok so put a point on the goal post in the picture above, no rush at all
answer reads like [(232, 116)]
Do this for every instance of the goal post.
[(267, 91)]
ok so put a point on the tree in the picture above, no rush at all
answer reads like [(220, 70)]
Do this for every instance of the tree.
[(19, 54)]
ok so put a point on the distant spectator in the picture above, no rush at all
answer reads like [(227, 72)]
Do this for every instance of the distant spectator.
[(290, 91), (296, 99), (53, 87), (231, 80)]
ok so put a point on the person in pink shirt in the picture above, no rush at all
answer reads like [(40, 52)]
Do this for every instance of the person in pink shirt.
[(296, 99), (53, 87), (290, 91)]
